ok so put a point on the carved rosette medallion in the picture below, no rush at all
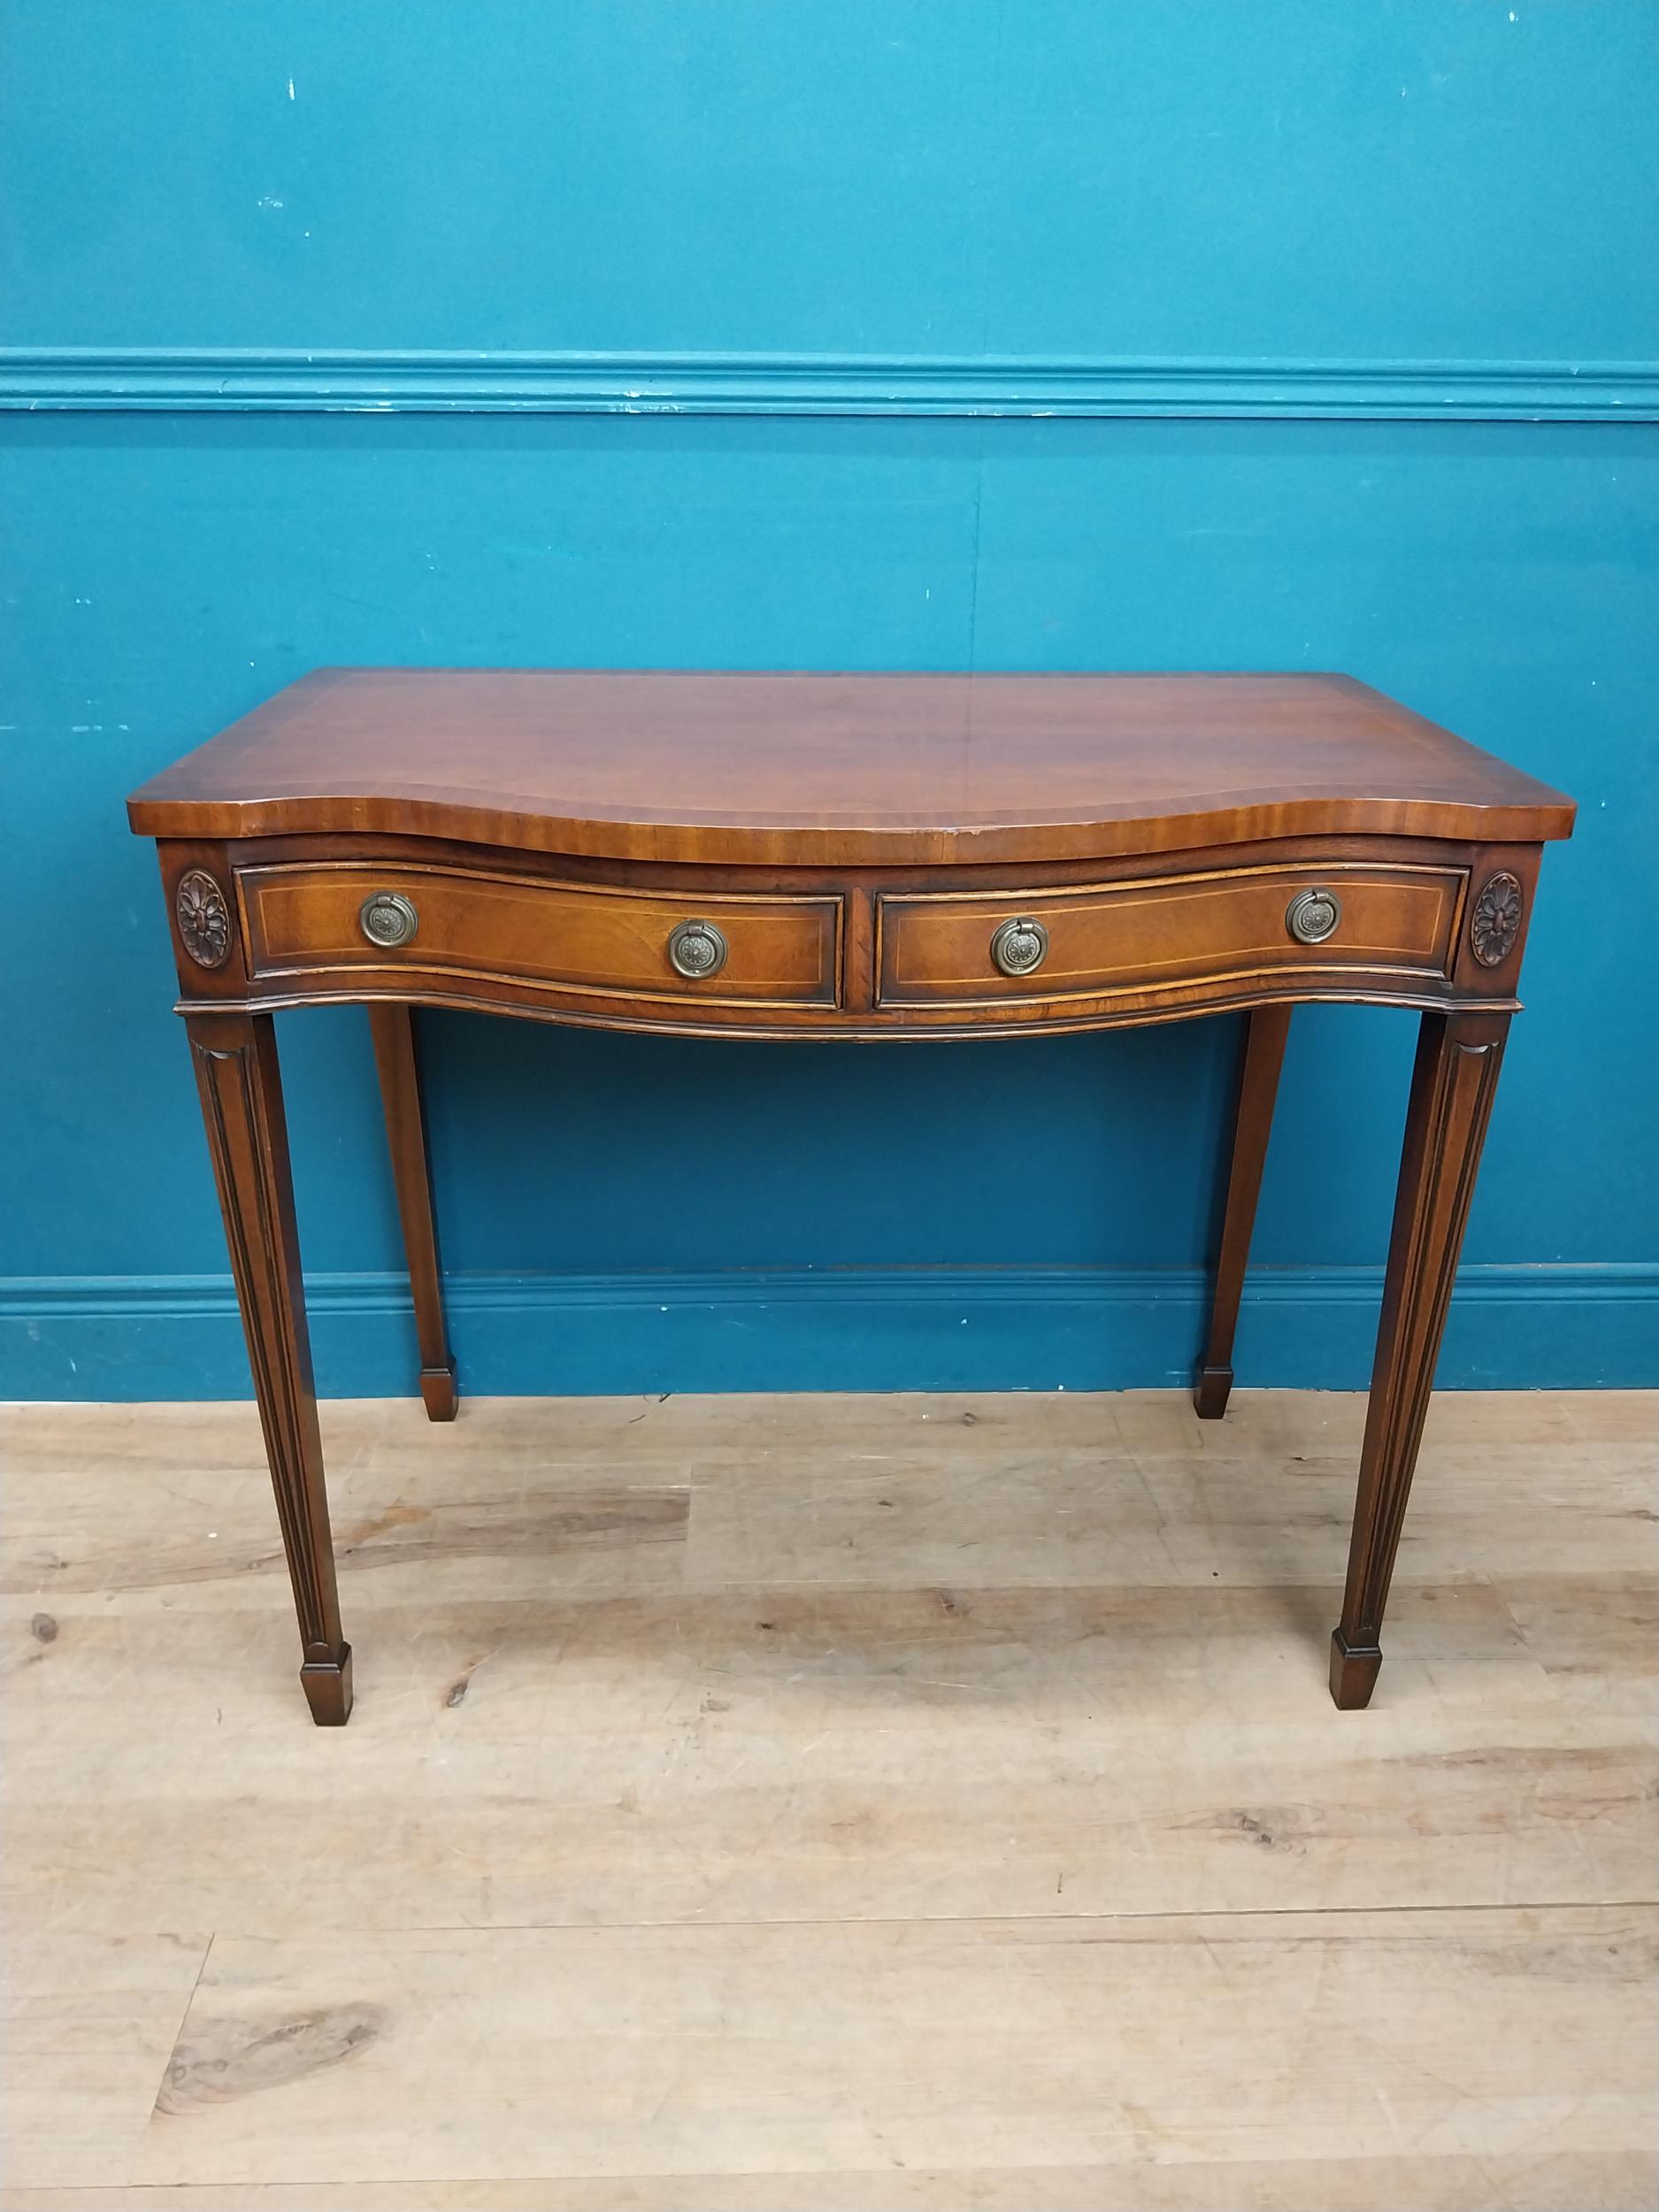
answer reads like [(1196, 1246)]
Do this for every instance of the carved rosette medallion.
[(1495, 921), (203, 918)]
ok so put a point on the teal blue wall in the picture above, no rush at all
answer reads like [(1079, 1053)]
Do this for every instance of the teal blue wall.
[(694, 332)]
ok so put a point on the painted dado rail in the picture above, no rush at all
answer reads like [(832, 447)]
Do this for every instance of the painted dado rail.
[(95, 378)]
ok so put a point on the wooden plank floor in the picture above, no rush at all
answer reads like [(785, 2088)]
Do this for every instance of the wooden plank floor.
[(833, 1803)]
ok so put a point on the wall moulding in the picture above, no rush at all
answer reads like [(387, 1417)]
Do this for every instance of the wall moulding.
[(97, 379), (900, 1328)]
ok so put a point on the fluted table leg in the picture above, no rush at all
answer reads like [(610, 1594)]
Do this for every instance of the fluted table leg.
[(1452, 1086), (241, 1103)]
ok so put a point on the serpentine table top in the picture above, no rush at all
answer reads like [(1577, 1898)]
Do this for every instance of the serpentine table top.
[(757, 770)]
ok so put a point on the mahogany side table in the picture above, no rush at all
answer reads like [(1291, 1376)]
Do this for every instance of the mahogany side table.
[(854, 856)]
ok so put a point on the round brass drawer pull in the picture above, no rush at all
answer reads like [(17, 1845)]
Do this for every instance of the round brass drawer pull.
[(696, 949), (1020, 946), (387, 918), (1313, 916)]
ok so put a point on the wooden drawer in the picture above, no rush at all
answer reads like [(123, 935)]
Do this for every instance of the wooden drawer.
[(1165, 931), (579, 937)]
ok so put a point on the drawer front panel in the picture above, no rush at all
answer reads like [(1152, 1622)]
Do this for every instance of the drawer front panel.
[(1141, 936), (770, 950)]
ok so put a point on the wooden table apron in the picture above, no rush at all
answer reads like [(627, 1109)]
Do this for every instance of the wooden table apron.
[(608, 900)]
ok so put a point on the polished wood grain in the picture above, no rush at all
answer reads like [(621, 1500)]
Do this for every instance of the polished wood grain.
[(828, 953), (885, 1801), (850, 771), (1267, 1031), (1141, 935), (851, 853), (589, 938)]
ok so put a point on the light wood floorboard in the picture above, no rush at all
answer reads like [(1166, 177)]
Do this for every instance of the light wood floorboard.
[(832, 1802)]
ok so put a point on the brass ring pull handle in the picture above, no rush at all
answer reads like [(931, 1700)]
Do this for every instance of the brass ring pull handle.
[(696, 949), (1020, 946), (1313, 916), (387, 918)]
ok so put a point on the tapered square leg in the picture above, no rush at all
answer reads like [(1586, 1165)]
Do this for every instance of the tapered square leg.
[(1452, 1087), (241, 1106), (1253, 1122), (393, 1029)]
